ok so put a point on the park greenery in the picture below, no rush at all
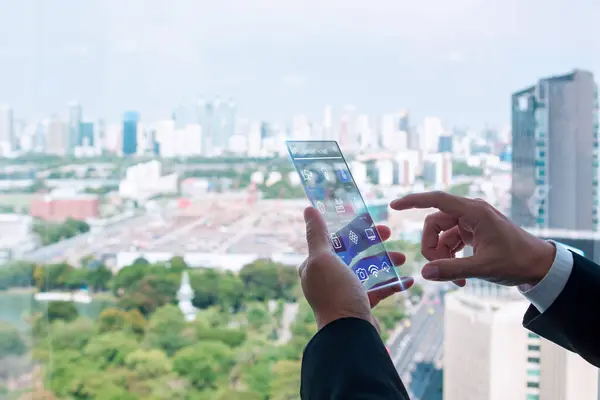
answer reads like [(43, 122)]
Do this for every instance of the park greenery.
[(50, 232), (143, 348), (460, 189), (461, 168)]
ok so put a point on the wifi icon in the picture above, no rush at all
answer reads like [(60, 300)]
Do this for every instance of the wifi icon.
[(373, 270)]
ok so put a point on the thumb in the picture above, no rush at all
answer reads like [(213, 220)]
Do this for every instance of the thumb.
[(449, 269), (316, 231)]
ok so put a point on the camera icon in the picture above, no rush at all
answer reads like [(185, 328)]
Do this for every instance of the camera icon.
[(362, 275)]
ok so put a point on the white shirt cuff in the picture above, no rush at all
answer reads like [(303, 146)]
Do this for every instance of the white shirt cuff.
[(551, 286)]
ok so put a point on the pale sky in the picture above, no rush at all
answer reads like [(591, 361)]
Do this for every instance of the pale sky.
[(457, 59)]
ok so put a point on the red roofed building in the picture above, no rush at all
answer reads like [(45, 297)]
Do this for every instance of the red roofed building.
[(57, 208)]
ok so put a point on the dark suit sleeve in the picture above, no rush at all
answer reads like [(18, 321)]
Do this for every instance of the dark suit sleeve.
[(573, 320), (346, 360)]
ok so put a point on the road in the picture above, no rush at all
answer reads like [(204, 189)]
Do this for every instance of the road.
[(418, 349), (56, 250)]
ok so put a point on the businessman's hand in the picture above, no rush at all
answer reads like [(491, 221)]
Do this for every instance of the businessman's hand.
[(503, 253), (330, 287)]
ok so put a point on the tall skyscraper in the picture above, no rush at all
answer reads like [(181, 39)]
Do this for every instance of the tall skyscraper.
[(131, 120), (555, 153), (205, 117), (182, 117), (99, 134), (488, 355), (228, 122), (222, 124), (75, 115), (57, 136), (412, 137), (367, 137), (432, 130), (86, 134), (7, 130)]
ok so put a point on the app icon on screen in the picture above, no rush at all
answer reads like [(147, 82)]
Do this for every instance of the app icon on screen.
[(336, 242), (370, 233), (321, 207), (373, 270), (362, 274), (339, 206), (385, 267), (343, 175)]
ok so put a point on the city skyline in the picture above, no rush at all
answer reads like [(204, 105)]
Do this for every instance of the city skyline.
[(431, 58)]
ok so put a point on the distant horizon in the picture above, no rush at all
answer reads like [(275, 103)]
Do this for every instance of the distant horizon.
[(459, 61)]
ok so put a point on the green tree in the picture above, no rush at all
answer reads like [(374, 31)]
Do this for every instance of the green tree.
[(286, 380), (167, 330), (76, 278), (140, 261), (98, 278), (460, 189), (258, 376), (10, 341), (462, 168), (136, 322), (230, 394), (52, 276), (111, 319), (74, 225), (61, 310), (417, 290), (204, 364), (110, 348), (230, 337), (16, 274), (74, 335), (265, 279), (177, 263), (389, 313), (212, 287), (148, 364), (150, 292), (257, 316), (109, 385), (127, 276)]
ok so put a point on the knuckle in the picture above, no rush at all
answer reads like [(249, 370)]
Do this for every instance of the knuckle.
[(483, 205)]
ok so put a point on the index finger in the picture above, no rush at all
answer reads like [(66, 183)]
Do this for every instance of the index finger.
[(445, 202)]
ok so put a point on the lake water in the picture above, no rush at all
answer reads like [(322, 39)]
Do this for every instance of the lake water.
[(17, 306)]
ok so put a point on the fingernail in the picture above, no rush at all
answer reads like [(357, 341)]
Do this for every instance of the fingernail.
[(431, 272)]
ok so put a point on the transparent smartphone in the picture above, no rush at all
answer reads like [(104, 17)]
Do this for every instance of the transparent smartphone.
[(331, 189)]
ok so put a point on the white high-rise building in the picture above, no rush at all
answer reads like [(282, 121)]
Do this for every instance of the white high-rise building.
[(393, 139), (301, 128), (255, 139), (57, 136), (387, 172), (359, 172), (7, 130), (432, 130), (113, 138), (437, 170), (348, 137), (365, 133), (408, 166), (145, 180), (183, 142), (165, 131), (488, 355)]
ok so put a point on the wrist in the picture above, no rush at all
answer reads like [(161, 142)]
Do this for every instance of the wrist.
[(540, 262), (325, 319)]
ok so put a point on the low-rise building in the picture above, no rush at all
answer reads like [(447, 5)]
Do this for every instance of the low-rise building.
[(60, 205)]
